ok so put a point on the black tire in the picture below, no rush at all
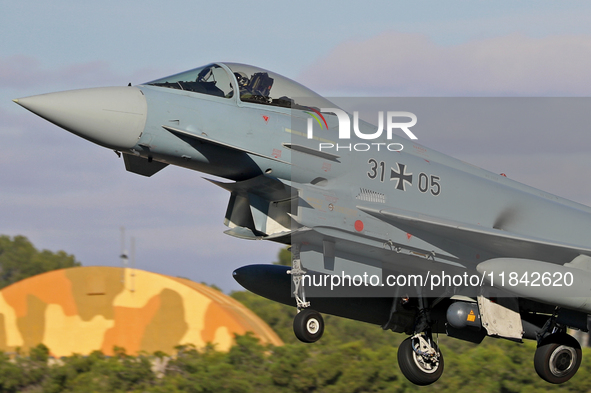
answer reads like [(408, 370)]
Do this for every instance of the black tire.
[(558, 358), (415, 368), (308, 325)]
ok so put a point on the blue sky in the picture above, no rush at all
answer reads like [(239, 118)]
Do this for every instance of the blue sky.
[(65, 193)]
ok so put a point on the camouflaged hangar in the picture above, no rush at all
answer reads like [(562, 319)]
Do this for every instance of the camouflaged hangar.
[(82, 309)]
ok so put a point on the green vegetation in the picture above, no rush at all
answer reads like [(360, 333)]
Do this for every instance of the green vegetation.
[(19, 259), (353, 366), (284, 257), (351, 357)]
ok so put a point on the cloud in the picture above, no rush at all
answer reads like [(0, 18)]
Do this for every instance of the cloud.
[(413, 64), (64, 193), (75, 197), (24, 72)]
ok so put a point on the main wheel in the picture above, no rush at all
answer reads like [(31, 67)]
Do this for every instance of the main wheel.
[(308, 325), (419, 369), (557, 358)]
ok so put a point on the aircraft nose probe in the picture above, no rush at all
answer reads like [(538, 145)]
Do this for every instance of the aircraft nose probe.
[(113, 117)]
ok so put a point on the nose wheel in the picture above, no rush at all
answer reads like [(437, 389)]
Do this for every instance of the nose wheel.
[(308, 325), (557, 358), (420, 359)]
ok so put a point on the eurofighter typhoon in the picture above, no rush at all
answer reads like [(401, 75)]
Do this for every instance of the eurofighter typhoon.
[(382, 229)]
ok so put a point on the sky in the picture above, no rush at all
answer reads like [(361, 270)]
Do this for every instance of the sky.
[(65, 193)]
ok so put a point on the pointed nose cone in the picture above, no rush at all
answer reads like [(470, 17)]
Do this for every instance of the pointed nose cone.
[(112, 117)]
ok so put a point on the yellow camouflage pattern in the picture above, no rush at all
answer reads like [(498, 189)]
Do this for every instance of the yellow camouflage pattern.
[(82, 309)]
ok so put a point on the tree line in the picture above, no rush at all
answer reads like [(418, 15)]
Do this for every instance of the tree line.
[(351, 357), (19, 259)]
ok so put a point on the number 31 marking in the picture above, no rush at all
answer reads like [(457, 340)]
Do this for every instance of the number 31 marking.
[(373, 171)]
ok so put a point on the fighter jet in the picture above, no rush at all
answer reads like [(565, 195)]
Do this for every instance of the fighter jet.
[(381, 229)]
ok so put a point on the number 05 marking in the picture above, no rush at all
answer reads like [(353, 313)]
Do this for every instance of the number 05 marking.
[(427, 183)]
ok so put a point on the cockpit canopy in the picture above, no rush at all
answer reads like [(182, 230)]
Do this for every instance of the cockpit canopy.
[(255, 85), (210, 79)]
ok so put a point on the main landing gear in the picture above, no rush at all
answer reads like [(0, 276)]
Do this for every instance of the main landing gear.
[(557, 358), (308, 325), (420, 359)]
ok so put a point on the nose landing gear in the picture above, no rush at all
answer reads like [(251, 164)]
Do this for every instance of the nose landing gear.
[(308, 325)]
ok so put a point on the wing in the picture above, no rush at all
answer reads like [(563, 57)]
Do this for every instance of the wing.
[(492, 240)]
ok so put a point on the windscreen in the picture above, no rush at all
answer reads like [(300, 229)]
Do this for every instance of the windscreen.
[(210, 79)]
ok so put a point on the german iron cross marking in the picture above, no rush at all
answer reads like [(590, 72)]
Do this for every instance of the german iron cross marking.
[(401, 177)]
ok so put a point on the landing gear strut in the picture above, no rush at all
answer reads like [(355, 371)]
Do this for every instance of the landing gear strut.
[(557, 358), (308, 325), (420, 359)]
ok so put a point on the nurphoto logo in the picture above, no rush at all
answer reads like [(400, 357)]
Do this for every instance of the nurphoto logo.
[(345, 129)]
